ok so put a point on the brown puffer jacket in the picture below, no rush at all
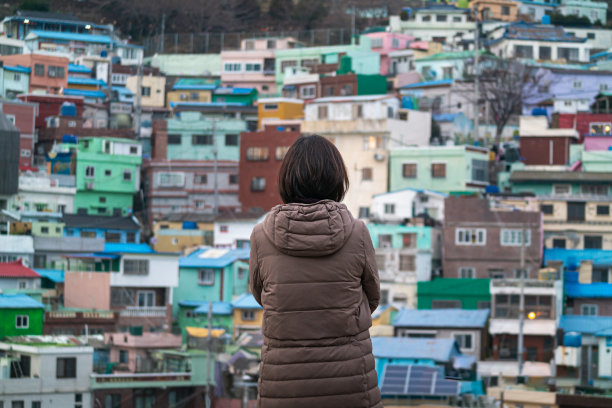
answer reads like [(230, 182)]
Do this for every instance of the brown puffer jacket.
[(313, 269)]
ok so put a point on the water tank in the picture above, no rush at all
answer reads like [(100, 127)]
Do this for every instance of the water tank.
[(539, 112), (70, 139), (68, 109), (572, 339), (545, 19)]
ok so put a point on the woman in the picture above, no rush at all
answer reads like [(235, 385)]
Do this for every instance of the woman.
[(313, 269)]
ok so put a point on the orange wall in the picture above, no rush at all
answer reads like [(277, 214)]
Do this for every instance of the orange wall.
[(286, 110), (52, 85), (495, 9), (90, 290)]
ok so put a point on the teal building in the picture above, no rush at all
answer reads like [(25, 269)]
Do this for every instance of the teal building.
[(445, 169), (243, 96), (454, 293), (216, 275), (14, 80), (194, 313), (107, 175)]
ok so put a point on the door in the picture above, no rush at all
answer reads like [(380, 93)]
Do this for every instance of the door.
[(146, 298)]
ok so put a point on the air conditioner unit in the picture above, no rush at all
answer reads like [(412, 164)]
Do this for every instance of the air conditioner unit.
[(423, 198), (379, 156), (89, 185)]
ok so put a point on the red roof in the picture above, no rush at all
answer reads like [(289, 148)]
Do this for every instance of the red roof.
[(16, 270)]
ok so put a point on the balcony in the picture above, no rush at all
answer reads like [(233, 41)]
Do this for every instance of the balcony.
[(140, 380), (135, 311)]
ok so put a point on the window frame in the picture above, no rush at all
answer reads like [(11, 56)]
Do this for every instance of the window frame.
[(463, 335), (470, 269), (434, 174), (506, 236), (22, 321), (66, 372), (410, 174), (209, 280), (592, 307), (471, 231)]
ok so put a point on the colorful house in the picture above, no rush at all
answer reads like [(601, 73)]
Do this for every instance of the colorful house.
[(107, 175), (194, 314), (15, 275), (279, 110), (454, 293), (14, 80), (48, 73), (242, 96), (395, 57), (190, 90), (20, 315), (216, 275), (382, 321), (111, 229), (248, 315)]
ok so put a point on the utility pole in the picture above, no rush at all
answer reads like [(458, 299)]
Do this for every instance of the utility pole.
[(216, 165), (110, 74), (476, 79), (163, 34), (353, 26), (209, 356), (521, 305), (139, 99)]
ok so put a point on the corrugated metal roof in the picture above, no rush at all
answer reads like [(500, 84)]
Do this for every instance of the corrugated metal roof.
[(213, 258), (100, 222), (234, 91), (17, 68), (424, 84), (590, 290), (64, 36), (585, 324), (19, 301), (441, 318), (16, 269), (54, 275), (129, 248), (201, 307), (246, 301), (80, 69), (571, 258), (539, 32), (439, 350), (86, 81), (546, 175), (84, 94)]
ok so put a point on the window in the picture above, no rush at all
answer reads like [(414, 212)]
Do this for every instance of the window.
[(232, 67), (447, 73), (287, 64), (483, 304), (358, 111), (90, 171), (441, 18), (136, 267), (200, 179), (124, 356), (328, 90), (446, 304), (366, 174), (389, 208), (112, 237), (559, 243), (78, 400), (231, 140), (409, 240), (602, 88), (248, 315), (131, 237), (25, 153), (281, 152), (595, 189), (523, 51), (39, 70), (497, 274), (507, 306), (322, 112), (514, 237), (56, 72), (112, 401), (540, 305), (17, 404), (470, 236), (467, 272), (347, 89), (373, 142), (206, 277), (258, 184), (575, 211), (480, 170), (66, 367), (243, 273), (589, 310), (308, 91), (395, 43), (22, 284), (233, 179), (171, 179), (146, 298), (438, 170), (22, 321), (562, 189), (426, 18), (592, 242), (364, 212), (505, 10), (407, 263), (253, 67), (223, 228), (36, 404), (591, 36), (409, 170), (271, 44), (603, 210), (456, 19), (174, 139), (45, 230), (464, 341), (384, 241), (569, 54), (201, 140), (127, 175), (376, 42), (599, 128), (257, 153), (547, 209)]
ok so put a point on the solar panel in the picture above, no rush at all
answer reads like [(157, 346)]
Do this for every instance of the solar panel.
[(416, 380)]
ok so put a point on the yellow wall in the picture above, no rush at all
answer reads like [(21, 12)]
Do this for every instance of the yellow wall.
[(175, 96), (286, 110), (495, 9), (84, 87), (176, 242), (248, 324), (157, 85)]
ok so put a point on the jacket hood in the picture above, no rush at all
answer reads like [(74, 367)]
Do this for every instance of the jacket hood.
[(309, 230)]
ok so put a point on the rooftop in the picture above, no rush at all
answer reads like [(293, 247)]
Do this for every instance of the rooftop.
[(86, 81), (246, 301), (549, 176), (424, 84), (78, 69), (101, 222), (194, 84), (441, 318), (64, 36), (340, 99), (201, 307), (84, 93), (54, 275), (585, 324), (450, 55), (539, 32), (234, 91), (439, 350), (16, 269), (213, 258), (128, 248), (18, 301)]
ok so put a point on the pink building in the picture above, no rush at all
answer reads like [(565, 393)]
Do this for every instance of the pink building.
[(253, 66), (395, 55), (133, 352)]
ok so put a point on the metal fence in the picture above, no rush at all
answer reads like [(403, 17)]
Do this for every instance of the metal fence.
[(205, 43)]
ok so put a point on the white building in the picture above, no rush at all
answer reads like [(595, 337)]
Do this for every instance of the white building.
[(397, 206), (536, 10), (56, 375), (13, 247), (44, 193), (437, 22), (364, 129), (597, 38), (593, 10), (233, 230)]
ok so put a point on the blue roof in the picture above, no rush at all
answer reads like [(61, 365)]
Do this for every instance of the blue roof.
[(83, 93), (86, 81), (418, 190), (441, 318), (54, 275), (539, 32), (246, 301), (186, 84), (428, 83), (118, 248), (585, 324), (440, 350), (64, 36), (79, 69), (201, 307), (18, 301), (234, 91), (122, 90), (213, 258), (207, 104), (571, 258), (445, 117), (17, 68)]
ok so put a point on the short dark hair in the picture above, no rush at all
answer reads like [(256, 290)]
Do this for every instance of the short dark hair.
[(312, 169)]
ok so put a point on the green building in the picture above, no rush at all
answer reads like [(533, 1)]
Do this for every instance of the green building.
[(20, 315), (242, 96), (107, 175), (194, 313), (454, 293), (441, 168), (195, 133), (215, 275)]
